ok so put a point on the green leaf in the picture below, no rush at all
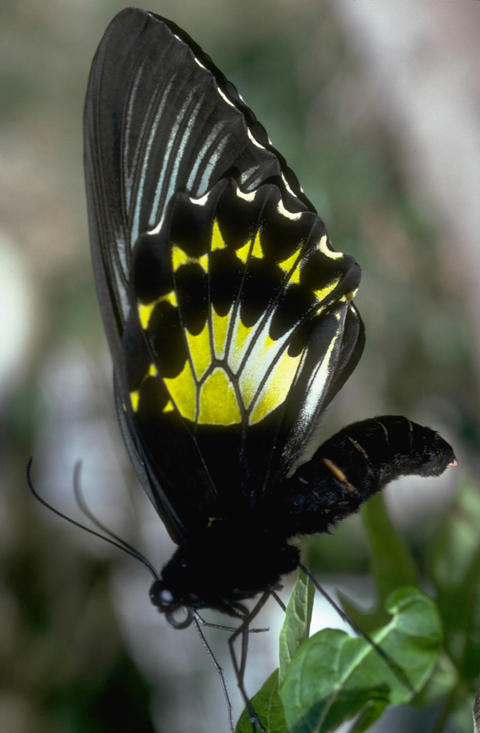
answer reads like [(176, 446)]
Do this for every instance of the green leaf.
[(269, 708), (334, 677), (296, 627), (462, 716), (455, 570), (392, 564), (454, 564), (442, 680)]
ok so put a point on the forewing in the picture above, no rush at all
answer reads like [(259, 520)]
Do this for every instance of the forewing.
[(160, 118)]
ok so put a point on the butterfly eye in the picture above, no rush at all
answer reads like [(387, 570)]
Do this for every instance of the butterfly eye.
[(161, 596)]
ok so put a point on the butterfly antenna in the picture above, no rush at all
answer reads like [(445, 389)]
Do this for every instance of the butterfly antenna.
[(82, 503), (111, 538), (197, 620), (396, 670)]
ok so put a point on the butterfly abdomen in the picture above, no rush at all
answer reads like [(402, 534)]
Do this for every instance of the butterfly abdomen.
[(356, 463)]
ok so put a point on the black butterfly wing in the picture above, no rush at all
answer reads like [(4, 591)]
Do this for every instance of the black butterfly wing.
[(160, 118), (228, 313)]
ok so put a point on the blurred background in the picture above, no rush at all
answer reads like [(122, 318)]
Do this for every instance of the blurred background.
[(376, 107)]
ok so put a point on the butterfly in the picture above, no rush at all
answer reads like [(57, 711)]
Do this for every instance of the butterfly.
[(231, 324)]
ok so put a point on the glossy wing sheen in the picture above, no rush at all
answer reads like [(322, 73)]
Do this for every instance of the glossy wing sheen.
[(160, 118), (229, 314)]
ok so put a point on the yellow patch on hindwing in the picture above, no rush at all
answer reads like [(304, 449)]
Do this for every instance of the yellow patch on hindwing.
[(145, 310), (219, 332), (232, 372), (134, 400), (252, 356), (269, 360), (252, 248), (199, 348), (257, 247), (276, 387), (241, 338), (243, 252), (217, 240), (183, 392), (144, 313), (287, 265), (218, 403), (179, 258), (323, 293)]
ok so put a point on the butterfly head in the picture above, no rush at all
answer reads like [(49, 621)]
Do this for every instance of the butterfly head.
[(178, 613)]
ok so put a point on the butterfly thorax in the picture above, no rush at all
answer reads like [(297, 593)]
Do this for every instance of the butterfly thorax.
[(201, 575)]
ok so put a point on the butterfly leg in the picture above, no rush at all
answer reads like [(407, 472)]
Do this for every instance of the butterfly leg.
[(221, 627), (239, 668), (197, 620)]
